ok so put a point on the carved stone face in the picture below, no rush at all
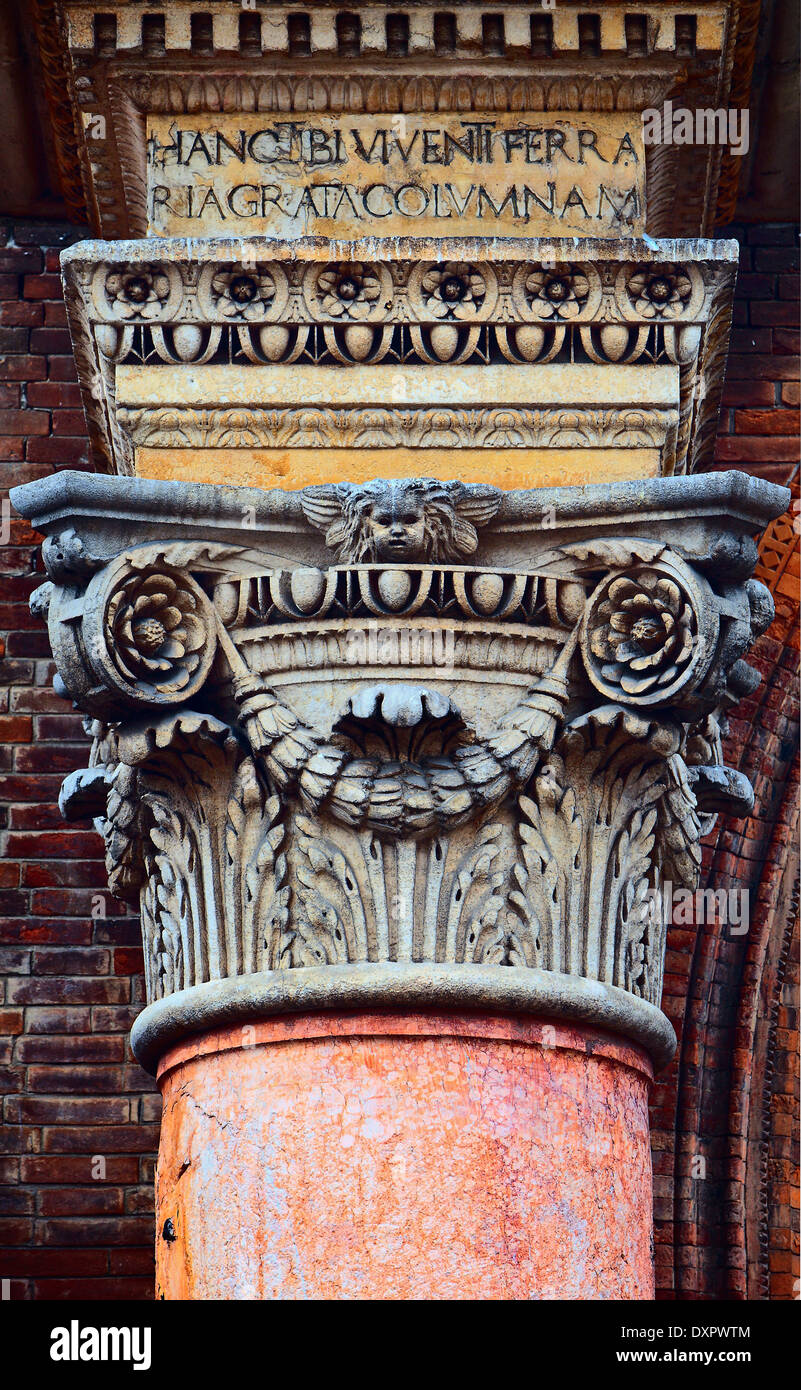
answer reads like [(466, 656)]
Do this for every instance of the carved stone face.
[(408, 521), (397, 527)]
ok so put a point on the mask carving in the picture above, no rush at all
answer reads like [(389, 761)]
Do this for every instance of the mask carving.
[(417, 520)]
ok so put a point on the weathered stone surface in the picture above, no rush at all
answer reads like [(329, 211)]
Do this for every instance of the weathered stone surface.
[(352, 68), (465, 1157), (519, 361), (514, 467), (362, 754), (320, 175), (715, 515)]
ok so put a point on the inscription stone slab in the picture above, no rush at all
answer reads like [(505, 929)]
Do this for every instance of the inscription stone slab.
[(424, 175)]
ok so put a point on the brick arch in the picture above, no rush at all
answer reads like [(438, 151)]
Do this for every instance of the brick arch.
[(716, 1235), (767, 1224), (760, 1067), (781, 1215)]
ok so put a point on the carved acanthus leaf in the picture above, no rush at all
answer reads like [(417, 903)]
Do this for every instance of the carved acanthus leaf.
[(188, 555), (583, 887), (610, 553), (547, 881), (329, 925), (257, 895), (635, 869), (166, 909), (473, 930), (679, 830), (122, 834)]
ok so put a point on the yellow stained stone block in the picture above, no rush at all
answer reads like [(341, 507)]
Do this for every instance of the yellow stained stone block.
[(355, 176), (296, 468), (567, 384)]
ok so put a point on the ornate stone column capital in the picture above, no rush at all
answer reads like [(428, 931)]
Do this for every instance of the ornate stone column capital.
[(406, 743)]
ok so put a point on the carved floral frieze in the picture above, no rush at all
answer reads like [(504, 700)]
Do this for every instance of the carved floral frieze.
[(169, 306), (257, 290), (373, 427)]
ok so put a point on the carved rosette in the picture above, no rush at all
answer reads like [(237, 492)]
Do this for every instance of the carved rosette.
[(484, 813), (649, 632), (146, 633)]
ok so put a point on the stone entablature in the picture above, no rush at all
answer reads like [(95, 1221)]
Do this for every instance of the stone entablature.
[(518, 361), (125, 64), (310, 818)]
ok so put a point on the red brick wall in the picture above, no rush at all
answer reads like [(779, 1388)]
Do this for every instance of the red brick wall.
[(760, 418), (727, 1097), (70, 1091), (781, 1168)]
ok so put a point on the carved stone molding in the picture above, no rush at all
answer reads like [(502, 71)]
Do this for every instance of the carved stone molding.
[(525, 280), (633, 335), (301, 818), (362, 427)]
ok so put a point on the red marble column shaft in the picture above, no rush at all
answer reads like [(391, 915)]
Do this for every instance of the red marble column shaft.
[(373, 1155)]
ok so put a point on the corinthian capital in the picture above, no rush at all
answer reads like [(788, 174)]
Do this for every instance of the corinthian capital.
[(335, 763)]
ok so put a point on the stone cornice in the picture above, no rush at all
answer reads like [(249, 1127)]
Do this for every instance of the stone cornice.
[(711, 517), (183, 249)]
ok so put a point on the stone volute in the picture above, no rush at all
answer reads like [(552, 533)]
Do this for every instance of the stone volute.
[(403, 750)]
